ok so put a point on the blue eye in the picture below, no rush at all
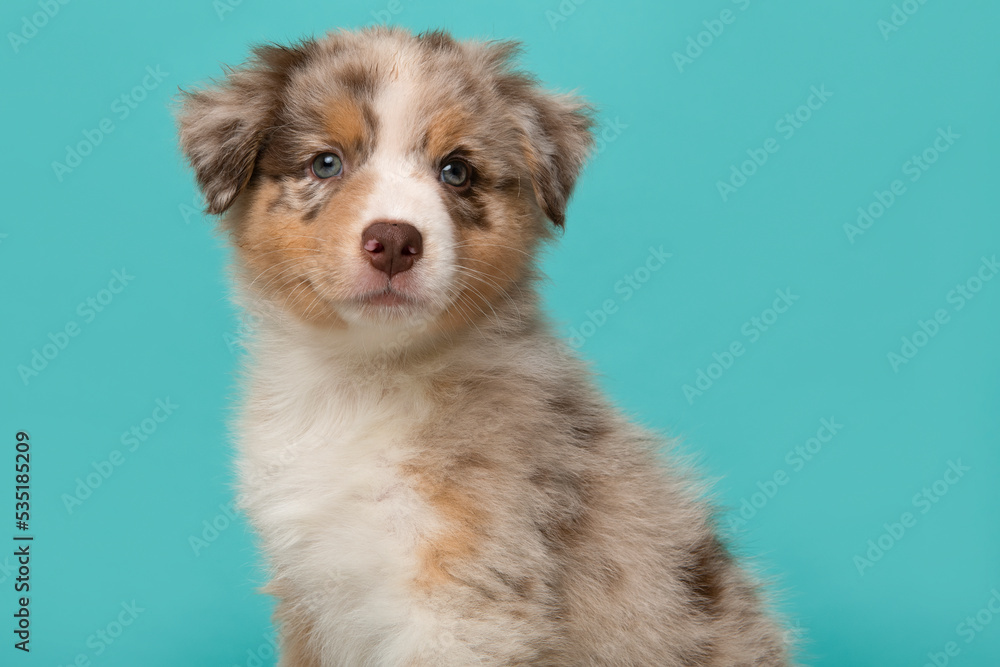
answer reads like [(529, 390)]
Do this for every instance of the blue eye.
[(456, 173), (327, 165)]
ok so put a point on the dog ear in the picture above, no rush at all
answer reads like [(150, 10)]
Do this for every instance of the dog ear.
[(223, 126), (559, 139)]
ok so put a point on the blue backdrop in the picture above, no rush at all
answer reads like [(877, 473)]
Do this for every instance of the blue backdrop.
[(784, 252)]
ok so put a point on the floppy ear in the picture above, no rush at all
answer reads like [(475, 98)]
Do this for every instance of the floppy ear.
[(559, 139), (222, 127)]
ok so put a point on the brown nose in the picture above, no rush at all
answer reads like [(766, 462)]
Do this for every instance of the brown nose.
[(392, 247)]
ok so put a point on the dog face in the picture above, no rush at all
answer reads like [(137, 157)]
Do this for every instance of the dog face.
[(380, 177)]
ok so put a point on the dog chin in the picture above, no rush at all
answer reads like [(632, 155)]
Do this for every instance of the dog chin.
[(388, 299), (388, 308), (398, 303)]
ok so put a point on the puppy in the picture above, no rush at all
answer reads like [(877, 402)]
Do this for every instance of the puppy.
[(432, 474)]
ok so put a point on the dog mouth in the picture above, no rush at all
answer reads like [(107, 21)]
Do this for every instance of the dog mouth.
[(387, 297), (378, 303)]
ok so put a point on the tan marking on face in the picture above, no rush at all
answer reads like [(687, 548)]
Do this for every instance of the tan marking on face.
[(446, 130), (344, 122), (492, 260), (303, 264)]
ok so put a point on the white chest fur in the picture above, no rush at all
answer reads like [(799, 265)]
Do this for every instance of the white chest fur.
[(320, 481)]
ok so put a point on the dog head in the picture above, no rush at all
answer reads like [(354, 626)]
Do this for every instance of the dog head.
[(379, 178)]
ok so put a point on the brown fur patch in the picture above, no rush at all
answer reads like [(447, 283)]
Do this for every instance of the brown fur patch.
[(360, 80), (610, 574), (585, 421), (523, 587), (702, 574), (571, 499), (437, 40), (493, 260), (447, 130), (291, 615), (465, 461), (295, 643), (555, 147), (295, 262), (459, 542), (349, 126)]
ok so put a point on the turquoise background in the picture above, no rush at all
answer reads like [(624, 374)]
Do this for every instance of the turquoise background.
[(676, 132)]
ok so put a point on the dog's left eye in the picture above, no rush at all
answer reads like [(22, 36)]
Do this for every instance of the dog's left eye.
[(456, 173), (327, 165)]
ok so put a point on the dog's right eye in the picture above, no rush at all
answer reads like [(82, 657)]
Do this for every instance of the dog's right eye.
[(456, 173), (327, 165)]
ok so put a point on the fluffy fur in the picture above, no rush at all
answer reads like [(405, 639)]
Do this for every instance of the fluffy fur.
[(433, 477)]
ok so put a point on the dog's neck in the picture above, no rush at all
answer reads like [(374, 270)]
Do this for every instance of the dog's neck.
[(380, 356)]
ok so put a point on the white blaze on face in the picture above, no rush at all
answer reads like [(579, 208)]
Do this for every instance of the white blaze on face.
[(407, 189)]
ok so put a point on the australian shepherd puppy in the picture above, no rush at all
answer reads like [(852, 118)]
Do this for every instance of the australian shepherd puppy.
[(432, 474)]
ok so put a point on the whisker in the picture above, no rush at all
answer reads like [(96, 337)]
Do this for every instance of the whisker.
[(270, 268), (281, 237), (469, 244), (283, 272), (304, 283), (485, 300), (486, 278)]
